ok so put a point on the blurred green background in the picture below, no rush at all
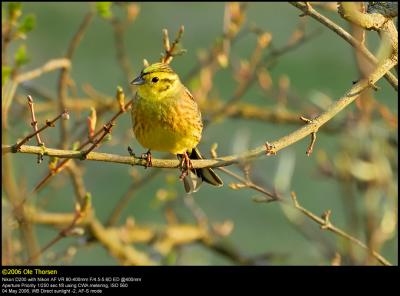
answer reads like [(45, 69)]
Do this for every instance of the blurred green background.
[(325, 64)]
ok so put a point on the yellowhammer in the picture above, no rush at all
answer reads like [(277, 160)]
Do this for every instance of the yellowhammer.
[(166, 118)]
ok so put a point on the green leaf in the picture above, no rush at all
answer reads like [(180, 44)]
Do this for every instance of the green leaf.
[(104, 9), (14, 9), (5, 73), (21, 58), (27, 24)]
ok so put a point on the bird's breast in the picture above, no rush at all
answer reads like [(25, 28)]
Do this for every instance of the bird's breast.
[(169, 125)]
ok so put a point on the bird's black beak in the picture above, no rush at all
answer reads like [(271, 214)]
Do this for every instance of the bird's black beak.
[(138, 80)]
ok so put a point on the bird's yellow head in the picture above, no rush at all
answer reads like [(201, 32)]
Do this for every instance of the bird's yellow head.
[(157, 81)]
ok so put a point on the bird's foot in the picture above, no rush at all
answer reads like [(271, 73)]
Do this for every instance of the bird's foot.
[(186, 166), (147, 156)]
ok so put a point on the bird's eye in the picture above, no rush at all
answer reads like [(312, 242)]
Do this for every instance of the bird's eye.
[(155, 79)]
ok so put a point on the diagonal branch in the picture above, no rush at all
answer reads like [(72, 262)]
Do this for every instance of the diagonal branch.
[(49, 123), (327, 225), (48, 67), (277, 145), (308, 10), (62, 164)]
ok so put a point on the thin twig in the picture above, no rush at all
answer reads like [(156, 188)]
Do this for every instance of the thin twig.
[(346, 36), (228, 37), (48, 67), (35, 126), (107, 130), (311, 146), (324, 221), (268, 60), (82, 210), (50, 123), (61, 165), (249, 184), (77, 182), (63, 233), (313, 136), (120, 96), (34, 121), (327, 225), (170, 49), (126, 253)]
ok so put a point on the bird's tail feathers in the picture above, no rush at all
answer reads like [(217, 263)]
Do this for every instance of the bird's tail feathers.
[(195, 177), (192, 182)]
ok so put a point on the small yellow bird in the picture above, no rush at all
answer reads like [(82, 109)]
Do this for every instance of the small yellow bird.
[(166, 118)]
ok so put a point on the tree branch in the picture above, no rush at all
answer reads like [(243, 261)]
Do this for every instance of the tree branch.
[(326, 224), (308, 10), (277, 145), (49, 123), (48, 67)]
